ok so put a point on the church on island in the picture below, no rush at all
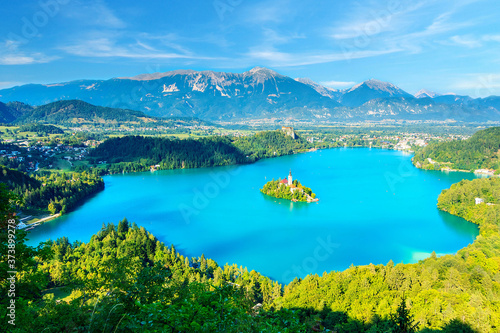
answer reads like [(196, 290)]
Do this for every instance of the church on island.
[(288, 189), (288, 181)]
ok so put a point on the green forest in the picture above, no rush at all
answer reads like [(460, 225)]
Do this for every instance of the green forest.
[(481, 151), (278, 190), (270, 144), (54, 192), (138, 153), (41, 129)]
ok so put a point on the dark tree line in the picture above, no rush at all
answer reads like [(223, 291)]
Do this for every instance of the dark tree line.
[(41, 129), (58, 193), (137, 153)]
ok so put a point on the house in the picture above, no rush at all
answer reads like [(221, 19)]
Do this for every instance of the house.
[(479, 201)]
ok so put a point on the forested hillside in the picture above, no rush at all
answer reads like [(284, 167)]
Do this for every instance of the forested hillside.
[(137, 153), (270, 144), (57, 193), (17, 180), (75, 111), (481, 151)]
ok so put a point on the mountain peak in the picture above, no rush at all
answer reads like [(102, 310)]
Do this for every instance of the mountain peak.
[(262, 71), (424, 93), (324, 91), (377, 85), (371, 89)]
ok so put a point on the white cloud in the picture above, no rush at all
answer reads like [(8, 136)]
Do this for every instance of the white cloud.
[(273, 37), (268, 12), (13, 55), (467, 41), (471, 41), (19, 59), (105, 47), (282, 59), (413, 27), (9, 84), (338, 84), (478, 84), (380, 18), (491, 38), (94, 13)]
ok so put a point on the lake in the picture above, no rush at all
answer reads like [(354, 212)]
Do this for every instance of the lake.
[(374, 207)]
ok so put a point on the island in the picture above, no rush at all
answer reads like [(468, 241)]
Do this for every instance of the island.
[(289, 189)]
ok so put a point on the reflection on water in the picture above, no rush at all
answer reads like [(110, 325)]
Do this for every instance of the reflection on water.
[(459, 225)]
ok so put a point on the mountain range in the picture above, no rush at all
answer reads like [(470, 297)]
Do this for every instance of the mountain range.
[(260, 93), (76, 112)]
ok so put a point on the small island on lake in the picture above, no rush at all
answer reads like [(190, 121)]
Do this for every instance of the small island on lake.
[(289, 189)]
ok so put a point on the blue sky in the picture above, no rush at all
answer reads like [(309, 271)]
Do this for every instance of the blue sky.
[(444, 46)]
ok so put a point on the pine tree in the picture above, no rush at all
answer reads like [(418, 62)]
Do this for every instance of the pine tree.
[(403, 320)]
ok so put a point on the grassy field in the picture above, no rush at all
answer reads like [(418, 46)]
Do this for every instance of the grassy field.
[(60, 293), (62, 164)]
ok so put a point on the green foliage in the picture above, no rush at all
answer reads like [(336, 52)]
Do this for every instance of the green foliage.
[(136, 153), (58, 193), (481, 151), (40, 128), (17, 180), (270, 144), (456, 326), (16, 256), (403, 320)]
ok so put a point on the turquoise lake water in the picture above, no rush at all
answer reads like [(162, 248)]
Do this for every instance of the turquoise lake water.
[(374, 207)]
